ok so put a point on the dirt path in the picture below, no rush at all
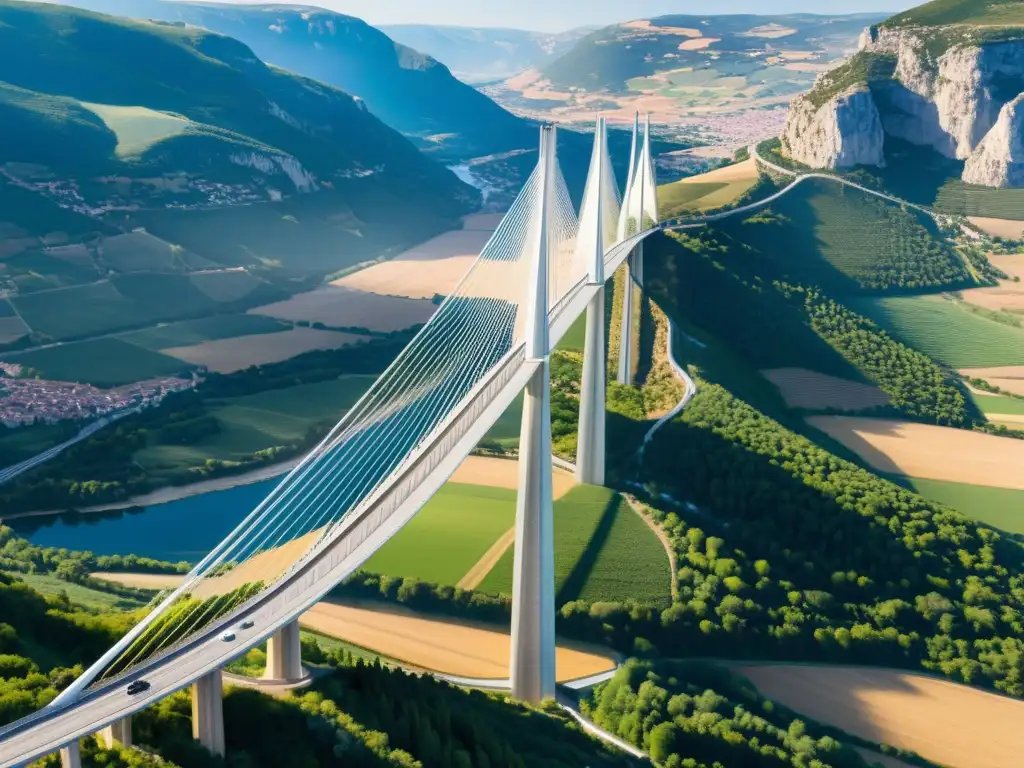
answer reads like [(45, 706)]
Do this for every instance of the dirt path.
[(483, 566), (951, 724), (673, 566)]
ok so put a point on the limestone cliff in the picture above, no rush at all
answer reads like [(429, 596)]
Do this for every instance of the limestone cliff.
[(998, 161), (843, 132), (941, 87)]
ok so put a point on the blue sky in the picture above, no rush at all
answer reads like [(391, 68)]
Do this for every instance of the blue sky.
[(558, 15)]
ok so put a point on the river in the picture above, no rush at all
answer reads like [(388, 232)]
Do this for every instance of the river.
[(186, 529)]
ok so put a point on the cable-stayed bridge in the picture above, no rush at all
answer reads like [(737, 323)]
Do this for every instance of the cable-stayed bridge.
[(491, 339)]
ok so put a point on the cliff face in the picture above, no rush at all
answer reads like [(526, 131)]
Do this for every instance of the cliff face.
[(844, 132), (998, 160), (945, 92)]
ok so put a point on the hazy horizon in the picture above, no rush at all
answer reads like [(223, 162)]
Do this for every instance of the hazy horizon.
[(544, 16)]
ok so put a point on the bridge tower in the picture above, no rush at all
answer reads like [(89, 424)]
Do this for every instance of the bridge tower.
[(626, 228), (639, 213), (593, 241), (532, 662)]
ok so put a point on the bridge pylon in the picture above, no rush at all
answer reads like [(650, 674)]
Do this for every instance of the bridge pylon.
[(639, 213), (532, 662), (284, 654), (594, 242)]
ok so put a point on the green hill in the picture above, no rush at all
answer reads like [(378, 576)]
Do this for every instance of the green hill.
[(103, 114), (740, 53), (942, 12)]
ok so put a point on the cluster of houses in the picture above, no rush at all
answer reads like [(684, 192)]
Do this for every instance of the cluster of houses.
[(26, 401)]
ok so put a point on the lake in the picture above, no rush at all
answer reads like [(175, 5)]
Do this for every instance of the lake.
[(186, 529)]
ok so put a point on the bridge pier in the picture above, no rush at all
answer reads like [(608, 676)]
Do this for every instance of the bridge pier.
[(208, 712), (118, 733), (624, 374), (284, 654), (590, 442), (532, 662), (71, 756)]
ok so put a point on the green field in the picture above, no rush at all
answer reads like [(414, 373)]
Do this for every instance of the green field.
[(449, 535), (992, 404), (678, 197), (999, 507), (603, 551), (277, 417), (188, 332), (86, 597), (138, 128), (967, 200), (106, 362), (135, 300), (140, 251), (945, 331), (22, 443)]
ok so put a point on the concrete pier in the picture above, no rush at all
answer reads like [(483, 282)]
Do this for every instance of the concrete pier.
[(117, 734), (532, 662), (590, 445), (208, 712), (71, 756), (284, 654)]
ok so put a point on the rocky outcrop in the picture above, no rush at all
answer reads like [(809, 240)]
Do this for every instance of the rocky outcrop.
[(843, 132), (945, 92), (272, 165), (998, 160)]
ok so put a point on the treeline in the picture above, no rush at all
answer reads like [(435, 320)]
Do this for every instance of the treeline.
[(915, 383), (20, 555), (698, 715)]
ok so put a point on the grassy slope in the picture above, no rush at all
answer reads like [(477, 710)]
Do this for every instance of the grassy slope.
[(92, 599), (940, 12), (945, 331), (106, 362), (449, 535), (603, 551)]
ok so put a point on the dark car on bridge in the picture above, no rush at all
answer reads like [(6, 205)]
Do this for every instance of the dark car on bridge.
[(137, 686)]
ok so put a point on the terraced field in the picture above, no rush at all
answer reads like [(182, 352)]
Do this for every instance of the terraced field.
[(945, 331)]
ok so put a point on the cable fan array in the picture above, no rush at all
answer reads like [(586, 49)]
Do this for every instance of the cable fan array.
[(475, 328)]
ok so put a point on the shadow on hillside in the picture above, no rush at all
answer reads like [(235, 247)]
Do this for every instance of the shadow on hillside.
[(577, 579)]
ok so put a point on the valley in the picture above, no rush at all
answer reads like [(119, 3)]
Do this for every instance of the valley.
[(803, 546)]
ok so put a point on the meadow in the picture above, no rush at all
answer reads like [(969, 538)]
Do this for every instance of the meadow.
[(135, 300), (992, 405), (1001, 508), (138, 128), (460, 521), (251, 423), (87, 597), (944, 331), (603, 552), (966, 200), (104, 362), (141, 251), (188, 332)]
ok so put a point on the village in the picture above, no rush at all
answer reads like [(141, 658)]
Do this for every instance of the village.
[(25, 401)]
